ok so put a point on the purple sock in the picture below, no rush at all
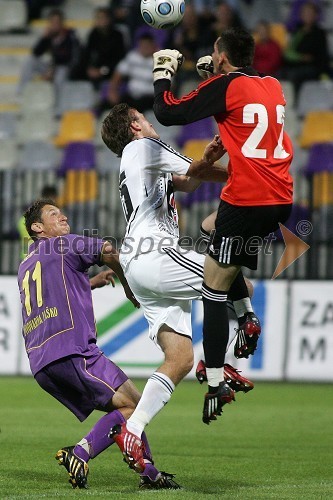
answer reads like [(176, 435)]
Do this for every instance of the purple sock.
[(97, 438), (147, 454), (150, 471)]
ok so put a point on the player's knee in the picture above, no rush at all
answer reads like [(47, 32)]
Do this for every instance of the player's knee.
[(187, 363)]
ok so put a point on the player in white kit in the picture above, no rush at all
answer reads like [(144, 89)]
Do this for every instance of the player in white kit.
[(164, 277)]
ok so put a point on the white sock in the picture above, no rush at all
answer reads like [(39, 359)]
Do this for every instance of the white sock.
[(242, 306), (155, 396), (215, 376), (84, 444)]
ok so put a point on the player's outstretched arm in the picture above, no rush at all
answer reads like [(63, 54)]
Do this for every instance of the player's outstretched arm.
[(214, 150), (102, 279), (110, 258), (206, 169)]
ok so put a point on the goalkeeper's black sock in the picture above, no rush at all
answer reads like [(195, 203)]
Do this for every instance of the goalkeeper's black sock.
[(239, 295), (238, 289), (215, 333)]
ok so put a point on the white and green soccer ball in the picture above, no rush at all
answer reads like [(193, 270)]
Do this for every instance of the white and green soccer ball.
[(162, 14)]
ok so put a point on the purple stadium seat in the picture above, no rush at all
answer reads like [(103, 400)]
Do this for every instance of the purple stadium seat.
[(207, 192), (202, 129), (160, 36), (78, 156), (298, 213), (320, 159)]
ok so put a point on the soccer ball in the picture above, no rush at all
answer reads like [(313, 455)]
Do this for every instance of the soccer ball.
[(162, 14)]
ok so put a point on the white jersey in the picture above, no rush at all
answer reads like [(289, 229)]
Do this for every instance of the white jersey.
[(146, 192)]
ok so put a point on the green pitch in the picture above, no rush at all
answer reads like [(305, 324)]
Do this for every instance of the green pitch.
[(274, 442)]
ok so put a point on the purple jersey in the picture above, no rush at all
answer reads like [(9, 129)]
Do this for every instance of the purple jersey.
[(57, 309)]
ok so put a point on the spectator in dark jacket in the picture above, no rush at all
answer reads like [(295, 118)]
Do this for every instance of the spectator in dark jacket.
[(306, 57), (105, 48), (63, 47)]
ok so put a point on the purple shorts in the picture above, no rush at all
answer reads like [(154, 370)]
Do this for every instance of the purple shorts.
[(82, 384)]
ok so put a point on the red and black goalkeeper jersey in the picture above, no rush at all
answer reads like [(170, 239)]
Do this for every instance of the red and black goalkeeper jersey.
[(249, 110)]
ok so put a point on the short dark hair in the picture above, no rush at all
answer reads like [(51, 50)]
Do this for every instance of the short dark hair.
[(116, 128), (34, 214), (56, 13), (49, 192), (238, 44)]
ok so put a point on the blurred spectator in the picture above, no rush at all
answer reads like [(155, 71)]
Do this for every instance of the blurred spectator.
[(63, 47), (104, 49), (126, 14), (49, 193), (306, 57), (136, 70), (224, 17), (268, 53), (191, 39), (294, 18)]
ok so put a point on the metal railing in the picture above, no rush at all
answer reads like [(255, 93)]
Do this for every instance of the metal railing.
[(103, 217)]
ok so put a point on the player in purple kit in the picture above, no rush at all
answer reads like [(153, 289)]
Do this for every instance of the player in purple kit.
[(60, 337)]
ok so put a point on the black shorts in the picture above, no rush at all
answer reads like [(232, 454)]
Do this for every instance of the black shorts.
[(239, 232)]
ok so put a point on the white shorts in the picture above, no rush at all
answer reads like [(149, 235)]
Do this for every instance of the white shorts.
[(165, 284)]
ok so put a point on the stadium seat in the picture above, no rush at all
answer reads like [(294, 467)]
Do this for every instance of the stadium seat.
[(202, 129), (7, 125), (8, 154), (322, 189), (161, 37), (78, 156), (13, 15), (77, 95), (98, 138), (279, 34), (317, 127), (327, 18), (289, 93), (207, 192), (82, 9), (292, 123), (315, 96), (80, 187), (35, 126), (37, 96), (256, 10), (320, 159), (38, 155), (300, 159), (76, 126), (195, 148), (107, 161)]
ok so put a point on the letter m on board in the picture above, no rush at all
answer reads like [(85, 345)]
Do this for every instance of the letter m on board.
[(313, 351)]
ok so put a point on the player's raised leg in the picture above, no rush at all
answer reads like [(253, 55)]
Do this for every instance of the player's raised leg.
[(178, 362)]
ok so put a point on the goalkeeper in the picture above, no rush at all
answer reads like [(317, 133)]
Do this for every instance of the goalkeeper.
[(249, 110)]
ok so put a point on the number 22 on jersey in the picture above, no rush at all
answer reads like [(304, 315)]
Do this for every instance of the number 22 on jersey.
[(37, 278), (250, 147)]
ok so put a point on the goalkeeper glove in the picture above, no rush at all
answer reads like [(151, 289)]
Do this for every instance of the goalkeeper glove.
[(166, 63), (205, 67)]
